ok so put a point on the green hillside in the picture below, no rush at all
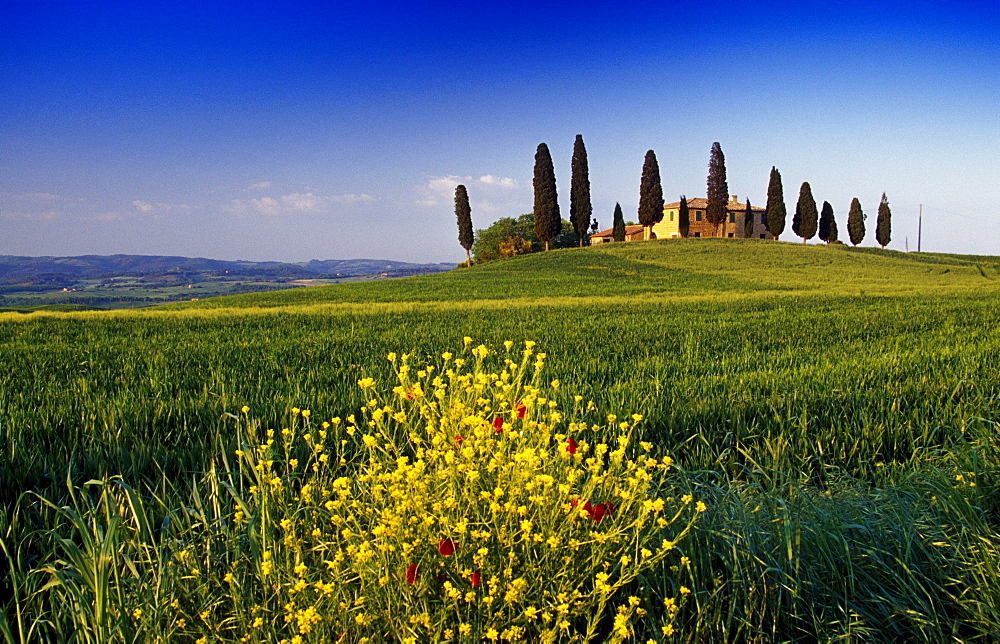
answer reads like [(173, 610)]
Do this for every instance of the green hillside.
[(661, 269), (835, 409)]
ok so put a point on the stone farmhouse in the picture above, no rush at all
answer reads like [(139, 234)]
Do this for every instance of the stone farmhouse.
[(699, 226)]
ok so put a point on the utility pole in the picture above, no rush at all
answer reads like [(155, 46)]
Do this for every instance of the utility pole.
[(920, 223)]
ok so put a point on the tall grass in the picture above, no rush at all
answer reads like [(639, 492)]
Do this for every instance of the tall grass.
[(824, 427)]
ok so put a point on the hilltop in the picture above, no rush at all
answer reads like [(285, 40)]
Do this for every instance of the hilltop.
[(659, 270)]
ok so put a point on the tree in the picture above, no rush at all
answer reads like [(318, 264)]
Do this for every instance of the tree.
[(775, 212), (718, 189), (463, 211), (684, 217), (547, 220), (506, 236), (805, 219), (580, 207), (650, 193), (618, 232), (594, 226), (748, 222), (856, 222), (827, 224), (883, 223)]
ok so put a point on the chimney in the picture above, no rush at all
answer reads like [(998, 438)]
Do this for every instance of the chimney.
[(734, 198)]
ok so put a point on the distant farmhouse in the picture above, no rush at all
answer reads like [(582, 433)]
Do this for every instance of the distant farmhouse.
[(699, 226)]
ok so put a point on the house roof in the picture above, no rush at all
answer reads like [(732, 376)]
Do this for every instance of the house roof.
[(610, 232), (699, 203)]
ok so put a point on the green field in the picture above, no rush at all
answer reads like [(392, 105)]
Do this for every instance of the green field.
[(836, 409)]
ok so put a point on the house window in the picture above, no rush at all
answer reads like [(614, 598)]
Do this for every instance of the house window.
[(763, 219), (732, 218), (730, 234), (698, 234), (697, 215), (671, 215), (763, 236)]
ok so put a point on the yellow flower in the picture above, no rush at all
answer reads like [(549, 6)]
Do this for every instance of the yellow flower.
[(492, 634), (245, 409), (366, 383)]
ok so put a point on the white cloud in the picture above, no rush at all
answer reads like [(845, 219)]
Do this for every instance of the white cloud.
[(489, 194), (158, 209), (260, 186), (296, 202), (500, 182), (352, 198)]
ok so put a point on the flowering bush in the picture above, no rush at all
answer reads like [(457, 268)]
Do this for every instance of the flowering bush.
[(461, 503)]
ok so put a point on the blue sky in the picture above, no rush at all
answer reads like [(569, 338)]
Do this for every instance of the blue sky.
[(292, 131)]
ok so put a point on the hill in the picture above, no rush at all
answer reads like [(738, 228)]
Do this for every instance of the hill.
[(657, 270), (124, 281), (833, 411)]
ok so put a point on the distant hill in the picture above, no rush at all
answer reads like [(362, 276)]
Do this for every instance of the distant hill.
[(18, 269)]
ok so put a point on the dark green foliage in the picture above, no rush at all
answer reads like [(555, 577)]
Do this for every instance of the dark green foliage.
[(594, 226), (748, 221), (684, 217), (718, 189), (463, 211), (775, 213), (618, 232), (827, 223), (650, 192), (548, 223), (856, 222), (805, 221), (580, 208), (883, 224)]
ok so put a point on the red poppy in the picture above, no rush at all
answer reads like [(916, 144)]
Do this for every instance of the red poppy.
[(411, 574), (498, 424), (475, 579), (459, 439), (521, 409), (571, 446), (446, 547), (589, 509), (573, 502), (601, 511)]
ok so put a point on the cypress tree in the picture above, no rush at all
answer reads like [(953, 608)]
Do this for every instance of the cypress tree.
[(650, 193), (618, 232), (463, 211), (775, 212), (805, 220), (748, 222), (856, 222), (684, 217), (580, 207), (548, 223), (827, 224), (883, 224), (718, 189)]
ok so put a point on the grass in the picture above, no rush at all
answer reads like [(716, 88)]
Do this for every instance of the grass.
[(821, 400)]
